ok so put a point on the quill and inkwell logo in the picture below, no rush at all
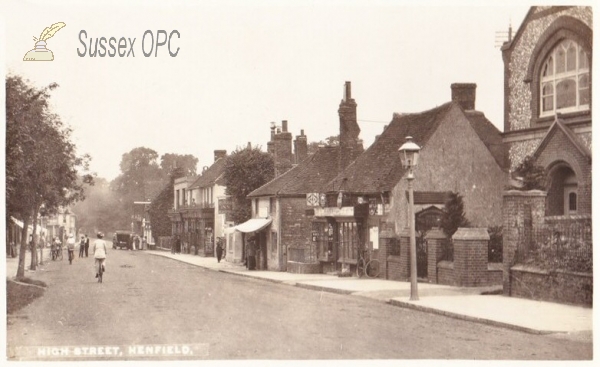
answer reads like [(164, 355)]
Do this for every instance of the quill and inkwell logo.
[(40, 52)]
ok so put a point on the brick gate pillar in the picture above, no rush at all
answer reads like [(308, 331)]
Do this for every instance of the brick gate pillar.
[(521, 210), (470, 256), (434, 238)]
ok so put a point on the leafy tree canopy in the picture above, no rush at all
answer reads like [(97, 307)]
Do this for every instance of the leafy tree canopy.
[(331, 141), (245, 171), (42, 167)]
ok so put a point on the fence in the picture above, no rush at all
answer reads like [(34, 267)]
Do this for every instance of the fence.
[(564, 245), (302, 255)]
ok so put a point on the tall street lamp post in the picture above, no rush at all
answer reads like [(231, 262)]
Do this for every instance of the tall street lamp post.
[(409, 155)]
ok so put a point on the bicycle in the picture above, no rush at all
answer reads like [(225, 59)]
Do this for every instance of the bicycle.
[(59, 254), (100, 269), (367, 266)]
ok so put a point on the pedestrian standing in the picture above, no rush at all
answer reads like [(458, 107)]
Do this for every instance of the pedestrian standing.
[(251, 255), (87, 245), (144, 243), (219, 251), (82, 246), (178, 245)]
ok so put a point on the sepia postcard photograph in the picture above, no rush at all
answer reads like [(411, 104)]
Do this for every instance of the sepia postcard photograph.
[(287, 182)]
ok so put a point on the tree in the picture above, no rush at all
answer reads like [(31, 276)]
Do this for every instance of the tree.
[(161, 204), (246, 170), (454, 214), (141, 177), (330, 141), (187, 163), (42, 168), (532, 175)]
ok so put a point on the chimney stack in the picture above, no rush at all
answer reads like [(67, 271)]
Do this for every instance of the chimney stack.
[(282, 149), (220, 154), (350, 146), (464, 95), (301, 147)]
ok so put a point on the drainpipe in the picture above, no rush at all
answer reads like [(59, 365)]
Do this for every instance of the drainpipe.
[(280, 242)]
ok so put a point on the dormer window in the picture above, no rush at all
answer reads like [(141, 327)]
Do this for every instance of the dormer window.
[(565, 80)]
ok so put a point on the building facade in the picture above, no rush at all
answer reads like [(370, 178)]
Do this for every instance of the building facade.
[(289, 199), (197, 216), (461, 151), (548, 110)]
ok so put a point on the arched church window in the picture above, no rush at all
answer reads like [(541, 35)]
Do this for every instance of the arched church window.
[(565, 80)]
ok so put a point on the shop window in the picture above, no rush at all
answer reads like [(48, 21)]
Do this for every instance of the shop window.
[(348, 240)]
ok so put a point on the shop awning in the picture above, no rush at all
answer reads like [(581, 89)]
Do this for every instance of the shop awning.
[(253, 225)]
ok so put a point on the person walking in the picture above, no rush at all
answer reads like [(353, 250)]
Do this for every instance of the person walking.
[(81, 246), (71, 247), (87, 245), (99, 251)]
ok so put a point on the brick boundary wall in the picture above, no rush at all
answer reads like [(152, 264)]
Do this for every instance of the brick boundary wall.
[(558, 286), (385, 239), (445, 273), (434, 239)]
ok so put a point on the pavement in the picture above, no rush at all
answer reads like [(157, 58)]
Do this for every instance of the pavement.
[(466, 303)]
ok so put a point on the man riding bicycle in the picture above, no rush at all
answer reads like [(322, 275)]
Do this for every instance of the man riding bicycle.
[(56, 248), (99, 251)]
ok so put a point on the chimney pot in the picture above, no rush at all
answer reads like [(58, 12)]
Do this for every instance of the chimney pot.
[(347, 91), (284, 126)]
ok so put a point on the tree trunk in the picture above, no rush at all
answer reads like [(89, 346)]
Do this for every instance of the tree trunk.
[(34, 259), (24, 238)]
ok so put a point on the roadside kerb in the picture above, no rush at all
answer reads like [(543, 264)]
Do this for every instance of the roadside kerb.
[(412, 306)]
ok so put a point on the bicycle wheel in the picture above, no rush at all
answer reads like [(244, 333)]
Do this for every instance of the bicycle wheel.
[(372, 268), (360, 267), (99, 271)]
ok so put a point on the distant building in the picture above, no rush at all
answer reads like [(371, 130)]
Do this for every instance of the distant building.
[(199, 214)]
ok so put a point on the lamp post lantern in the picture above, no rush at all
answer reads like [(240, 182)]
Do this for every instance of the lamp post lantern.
[(409, 155)]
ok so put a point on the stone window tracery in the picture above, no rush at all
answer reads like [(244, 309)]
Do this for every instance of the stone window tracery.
[(565, 80)]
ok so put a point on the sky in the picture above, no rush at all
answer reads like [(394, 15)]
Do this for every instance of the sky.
[(242, 65)]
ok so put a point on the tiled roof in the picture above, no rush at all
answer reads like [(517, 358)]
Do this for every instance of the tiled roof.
[(310, 175), (212, 175), (379, 168), (490, 136)]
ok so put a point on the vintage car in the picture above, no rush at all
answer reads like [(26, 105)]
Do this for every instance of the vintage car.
[(123, 240)]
